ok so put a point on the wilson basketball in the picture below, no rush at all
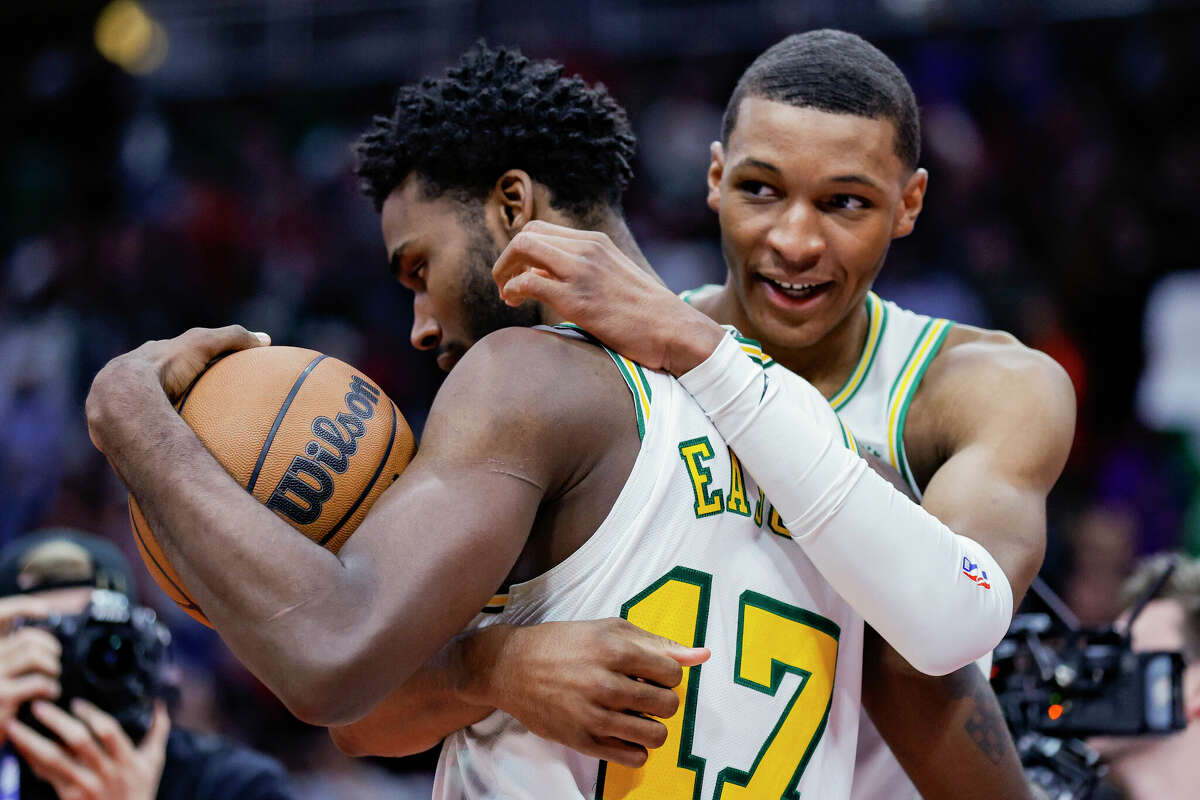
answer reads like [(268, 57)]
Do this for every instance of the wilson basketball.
[(309, 436)]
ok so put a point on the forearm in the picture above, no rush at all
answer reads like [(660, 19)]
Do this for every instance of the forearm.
[(851, 522), (940, 728), (441, 698), (286, 623)]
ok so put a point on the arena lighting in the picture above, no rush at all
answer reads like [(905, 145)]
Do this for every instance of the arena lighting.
[(130, 38)]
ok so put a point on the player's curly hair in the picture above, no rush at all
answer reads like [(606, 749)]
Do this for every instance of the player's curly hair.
[(498, 110), (833, 71)]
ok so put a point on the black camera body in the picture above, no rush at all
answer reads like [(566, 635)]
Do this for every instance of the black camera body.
[(114, 655), (1058, 683), (1085, 682)]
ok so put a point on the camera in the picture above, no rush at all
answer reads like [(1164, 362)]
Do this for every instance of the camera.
[(114, 654), (1057, 682)]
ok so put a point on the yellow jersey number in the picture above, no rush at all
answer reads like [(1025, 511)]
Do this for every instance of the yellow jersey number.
[(774, 638)]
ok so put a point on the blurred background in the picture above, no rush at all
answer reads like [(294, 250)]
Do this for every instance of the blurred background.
[(186, 162)]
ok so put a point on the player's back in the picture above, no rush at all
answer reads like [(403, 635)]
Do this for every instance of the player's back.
[(692, 551)]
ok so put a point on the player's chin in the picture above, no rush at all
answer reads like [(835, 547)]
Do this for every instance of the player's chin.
[(789, 331)]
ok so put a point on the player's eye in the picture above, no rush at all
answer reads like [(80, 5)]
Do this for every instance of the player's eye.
[(757, 188), (849, 202)]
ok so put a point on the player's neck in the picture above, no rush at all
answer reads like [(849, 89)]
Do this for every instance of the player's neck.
[(613, 225), (826, 363)]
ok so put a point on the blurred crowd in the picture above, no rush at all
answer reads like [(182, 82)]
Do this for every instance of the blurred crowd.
[(1064, 163)]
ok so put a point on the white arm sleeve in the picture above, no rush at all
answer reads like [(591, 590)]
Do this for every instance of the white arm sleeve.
[(938, 598)]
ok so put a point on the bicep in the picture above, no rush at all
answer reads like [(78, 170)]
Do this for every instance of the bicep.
[(994, 490)]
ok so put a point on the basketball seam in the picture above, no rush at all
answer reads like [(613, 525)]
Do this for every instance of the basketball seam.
[(287, 403), (188, 391), (190, 604), (374, 479)]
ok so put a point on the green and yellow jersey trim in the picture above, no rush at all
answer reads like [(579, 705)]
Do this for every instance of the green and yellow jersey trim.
[(926, 347), (848, 438), (753, 349), (631, 371), (876, 324), (634, 377)]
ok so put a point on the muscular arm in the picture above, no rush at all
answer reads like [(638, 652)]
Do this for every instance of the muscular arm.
[(315, 626), (1006, 416), (1001, 418)]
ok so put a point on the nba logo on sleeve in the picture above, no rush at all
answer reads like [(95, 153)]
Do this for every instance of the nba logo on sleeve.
[(972, 571)]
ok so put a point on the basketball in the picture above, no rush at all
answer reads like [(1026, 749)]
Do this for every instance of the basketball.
[(309, 436)]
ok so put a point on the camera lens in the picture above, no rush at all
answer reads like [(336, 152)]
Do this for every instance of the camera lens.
[(110, 656)]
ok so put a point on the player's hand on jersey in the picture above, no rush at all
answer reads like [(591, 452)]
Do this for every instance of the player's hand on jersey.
[(592, 686), (587, 280), (166, 365), (30, 658), (94, 759)]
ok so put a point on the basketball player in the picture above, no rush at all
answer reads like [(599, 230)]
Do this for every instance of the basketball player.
[(536, 466), (815, 174), (811, 182)]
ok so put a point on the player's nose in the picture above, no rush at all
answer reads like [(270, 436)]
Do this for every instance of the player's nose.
[(426, 332), (796, 234)]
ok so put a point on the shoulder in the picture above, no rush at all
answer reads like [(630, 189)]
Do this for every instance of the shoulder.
[(987, 385), (519, 370), (528, 393), (976, 363)]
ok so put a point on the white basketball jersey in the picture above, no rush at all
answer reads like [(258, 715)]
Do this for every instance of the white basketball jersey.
[(690, 550), (874, 404)]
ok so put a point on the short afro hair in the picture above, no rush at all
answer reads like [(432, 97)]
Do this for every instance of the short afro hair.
[(833, 71), (498, 110)]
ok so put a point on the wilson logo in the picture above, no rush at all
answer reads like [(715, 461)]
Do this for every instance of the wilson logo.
[(307, 484)]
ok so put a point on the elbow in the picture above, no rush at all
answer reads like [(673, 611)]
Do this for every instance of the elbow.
[(942, 654), (948, 643), (938, 661), (321, 704), (328, 694), (357, 743), (937, 666)]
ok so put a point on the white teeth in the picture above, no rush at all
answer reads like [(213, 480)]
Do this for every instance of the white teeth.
[(794, 286)]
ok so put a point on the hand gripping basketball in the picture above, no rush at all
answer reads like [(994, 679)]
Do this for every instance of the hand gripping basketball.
[(171, 364), (309, 436)]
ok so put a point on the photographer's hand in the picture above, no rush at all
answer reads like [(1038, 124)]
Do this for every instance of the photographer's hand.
[(29, 657), (96, 760)]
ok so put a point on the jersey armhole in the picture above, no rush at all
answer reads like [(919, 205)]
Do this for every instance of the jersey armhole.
[(924, 350)]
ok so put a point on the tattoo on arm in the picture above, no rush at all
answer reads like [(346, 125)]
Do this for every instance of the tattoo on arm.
[(985, 725)]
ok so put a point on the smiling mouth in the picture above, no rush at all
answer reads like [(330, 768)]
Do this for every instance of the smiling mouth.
[(796, 291)]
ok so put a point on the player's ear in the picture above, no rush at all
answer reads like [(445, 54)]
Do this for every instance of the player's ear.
[(716, 168), (512, 201), (912, 200)]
